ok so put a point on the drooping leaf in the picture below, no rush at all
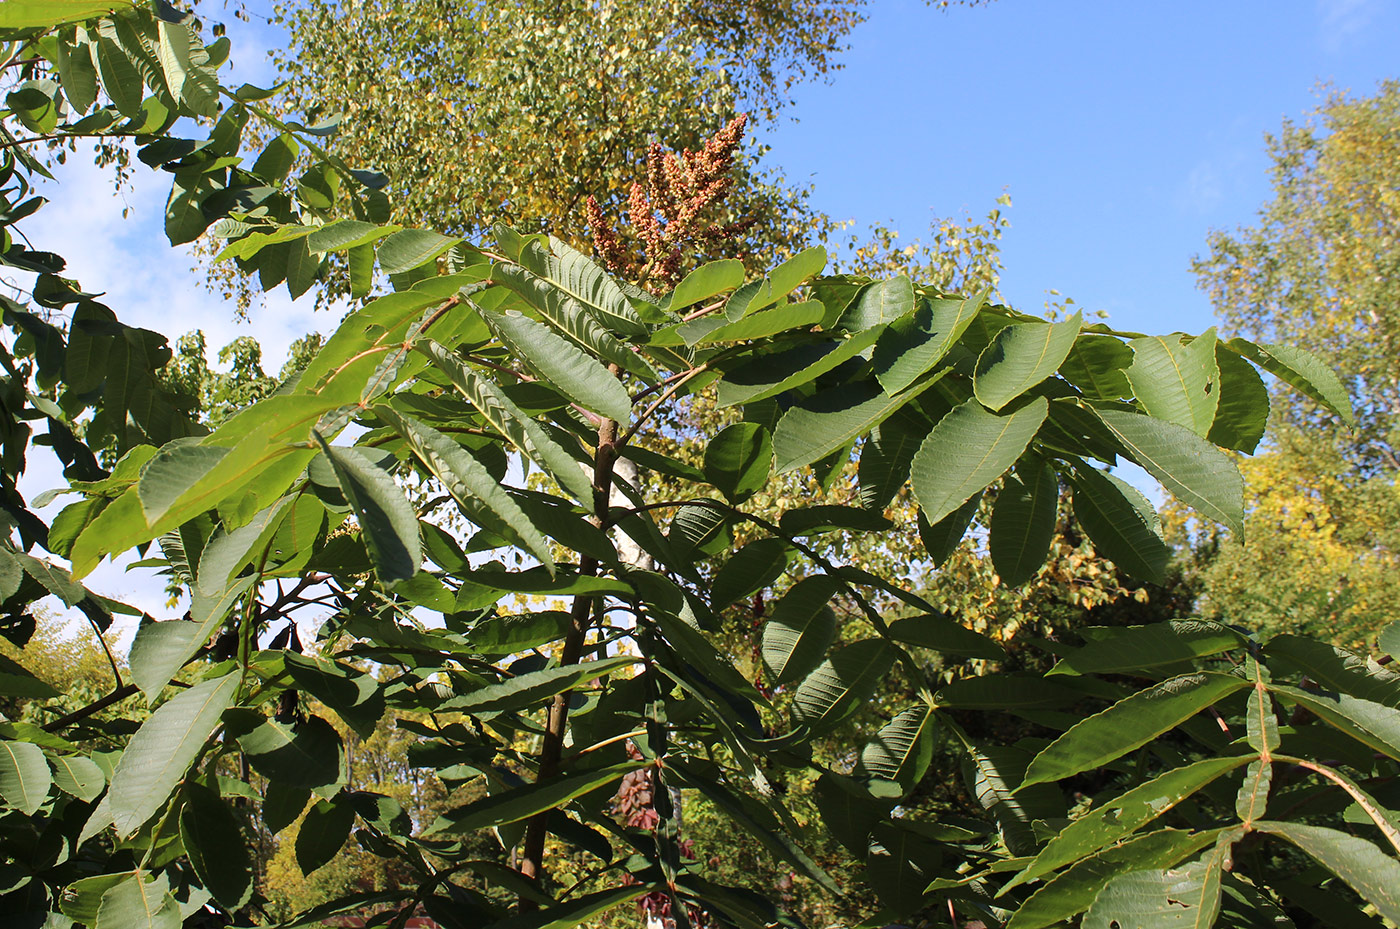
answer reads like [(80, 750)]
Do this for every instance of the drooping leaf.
[(751, 568), (24, 776), (1021, 356), (901, 750), (1372, 724), (162, 750), (1023, 522), (309, 754), (1189, 466), (769, 375), (1126, 813), (409, 248), (944, 634), (78, 775), (1370, 872), (1187, 897), (560, 364), (738, 460), (214, 842), (469, 482), (1301, 370), (841, 684), (1146, 648), (1130, 723), (831, 420), (800, 629), (1121, 523), (1096, 364), (1242, 411), (1337, 668), (519, 803), (913, 345), (966, 451), (526, 689), (387, 521), (136, 903), (323, 831), (1071, 892), (1175, 378), (942, 538), (886, 456), (512, 422)]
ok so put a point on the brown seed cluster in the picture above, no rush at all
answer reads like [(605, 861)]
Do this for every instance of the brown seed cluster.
[(671, 212)]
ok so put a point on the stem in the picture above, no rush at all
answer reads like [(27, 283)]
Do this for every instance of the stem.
[(556, 725), (116, 696), (1382, 823)]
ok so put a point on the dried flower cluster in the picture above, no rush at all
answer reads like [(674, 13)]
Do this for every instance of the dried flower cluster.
[(670, 212)]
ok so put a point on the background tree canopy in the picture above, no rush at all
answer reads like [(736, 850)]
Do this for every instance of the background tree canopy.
[(545, 687)]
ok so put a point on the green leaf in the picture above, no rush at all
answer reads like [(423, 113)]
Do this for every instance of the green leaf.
[(753, 567), (160, 649), (213, 840), (967, 450), (346, 234), (80, 899), (1303, 371), (323, 832), (471, 485), (1072, 892), (769, 375), (410, 248), (695, 650), (506, 635), (944, 634), (1175, 378), (524, 690), (1149, 648), (575, 276), (781, 281), (802, 627), (831, 420), (1242, 411), (520, 429), (1389, 639), (942, 538), (191, 84), (561, 365), (576, 912), (902, 750), (1124, 814), (1130, 723), (1021, 356), (120, 79), (1254, 792), (26, 14), (881, 302), (913, 345), (228, 553), (1187, 897), (706, 281), (1197, 472), (1369, 871), (137, 903), (1023, 522), (17, 681), (519, 803), (1372, 724), (738, 460), (885, 457), (163, 749), (310, 754), (1096, 366), (1121, 523), (24, 776), (387, 521), (354, 695), (826, 517), (768, 323), (78, 775), (841, 684), (1337, 668)]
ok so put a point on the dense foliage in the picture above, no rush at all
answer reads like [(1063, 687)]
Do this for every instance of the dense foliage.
[(1177, 773)]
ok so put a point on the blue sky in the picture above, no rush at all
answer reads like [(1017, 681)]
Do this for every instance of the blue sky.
[(1123, 132)]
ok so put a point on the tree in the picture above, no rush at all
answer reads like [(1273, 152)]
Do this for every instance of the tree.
[(490, 359), (1318, 272)]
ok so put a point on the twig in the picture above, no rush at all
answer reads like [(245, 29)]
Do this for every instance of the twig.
[(116, 696)]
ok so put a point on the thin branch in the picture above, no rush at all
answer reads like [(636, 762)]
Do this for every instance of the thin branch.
[(116, 696)]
